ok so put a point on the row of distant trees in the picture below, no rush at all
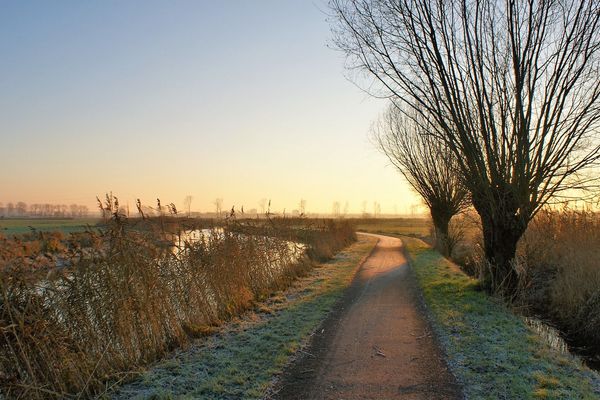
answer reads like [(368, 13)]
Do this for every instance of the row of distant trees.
[(221, 210), (22, 209), (337, 210)]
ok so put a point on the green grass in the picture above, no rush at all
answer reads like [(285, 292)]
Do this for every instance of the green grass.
[(23, 225), (241, 361), (491, 351), (418, 227)]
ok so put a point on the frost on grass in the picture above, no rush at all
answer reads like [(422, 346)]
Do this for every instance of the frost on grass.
[(491, 351), (242, 360)]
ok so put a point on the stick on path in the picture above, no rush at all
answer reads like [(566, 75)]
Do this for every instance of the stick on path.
[(376, 344)]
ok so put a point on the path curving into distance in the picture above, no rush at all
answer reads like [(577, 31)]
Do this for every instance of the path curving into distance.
[(376, 344)]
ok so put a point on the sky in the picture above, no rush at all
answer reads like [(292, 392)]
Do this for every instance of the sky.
[(239, 100)]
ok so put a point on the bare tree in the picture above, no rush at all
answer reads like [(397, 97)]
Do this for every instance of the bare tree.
[(430, 170), (513, 89), (302, 207), (218, 206), (21, 208), (413, 209), (363, 208), (336, 209), (187, 204), (268, 213), (262, 203), (376, 209)]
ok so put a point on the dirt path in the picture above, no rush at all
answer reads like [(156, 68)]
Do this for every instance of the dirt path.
[(376, 344)]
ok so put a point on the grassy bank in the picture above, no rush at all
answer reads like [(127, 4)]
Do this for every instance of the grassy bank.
[(242, 360), (490, 350)]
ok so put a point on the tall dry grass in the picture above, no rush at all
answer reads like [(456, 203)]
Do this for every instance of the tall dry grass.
[(560, 254), (558, 263), (132, 292)]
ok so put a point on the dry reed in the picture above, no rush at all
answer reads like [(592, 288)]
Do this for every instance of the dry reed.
[(560, 253), (77, 314), (558, 263)]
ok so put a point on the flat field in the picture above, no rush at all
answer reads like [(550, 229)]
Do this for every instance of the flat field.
[(416, 227), (11, 226)]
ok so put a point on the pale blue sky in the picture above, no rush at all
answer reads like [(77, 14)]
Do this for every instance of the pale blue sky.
[(233, 99)]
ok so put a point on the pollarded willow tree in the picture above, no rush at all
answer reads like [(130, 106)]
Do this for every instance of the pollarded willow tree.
[(426, 165), (513, 89)]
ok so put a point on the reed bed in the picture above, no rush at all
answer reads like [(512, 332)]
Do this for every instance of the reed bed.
[(79, 314), (558, 263), (560, 258)]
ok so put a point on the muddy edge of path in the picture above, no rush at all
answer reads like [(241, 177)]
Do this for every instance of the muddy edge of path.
[(376, 343)]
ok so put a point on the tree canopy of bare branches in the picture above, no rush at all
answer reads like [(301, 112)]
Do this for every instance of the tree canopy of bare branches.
[(513, 88), (422, 160)]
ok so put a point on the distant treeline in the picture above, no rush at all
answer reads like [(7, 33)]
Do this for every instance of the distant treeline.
[(22, 209)]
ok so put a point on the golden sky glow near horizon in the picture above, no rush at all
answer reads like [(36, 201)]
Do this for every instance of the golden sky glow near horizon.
[(233, 100)]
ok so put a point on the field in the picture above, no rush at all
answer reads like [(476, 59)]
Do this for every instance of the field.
[(24, 225), (417, 227)]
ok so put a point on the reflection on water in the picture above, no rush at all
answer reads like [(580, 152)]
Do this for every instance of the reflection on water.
[(269, 259), (549, 334), (193, 236), (554, 339), (196, 235)]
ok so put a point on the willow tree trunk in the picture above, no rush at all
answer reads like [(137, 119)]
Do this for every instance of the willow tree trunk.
[(502, 229), (441, 221)]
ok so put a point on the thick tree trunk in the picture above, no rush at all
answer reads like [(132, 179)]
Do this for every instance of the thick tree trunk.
[(501, 233), (441, 220)]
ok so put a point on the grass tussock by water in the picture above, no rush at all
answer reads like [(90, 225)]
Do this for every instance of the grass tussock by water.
[(105, 302)]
